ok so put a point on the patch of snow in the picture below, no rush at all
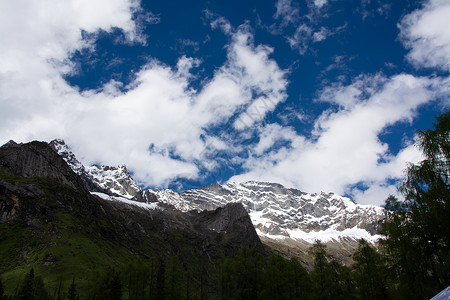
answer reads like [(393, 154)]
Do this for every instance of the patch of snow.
[(328, 235), (151, 206)]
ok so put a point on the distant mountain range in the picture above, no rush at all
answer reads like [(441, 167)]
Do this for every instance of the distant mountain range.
[(280, 215)]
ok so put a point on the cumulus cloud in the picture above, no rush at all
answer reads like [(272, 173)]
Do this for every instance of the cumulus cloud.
[(158, 126), (425, 32), (345, 149), (163, 128)]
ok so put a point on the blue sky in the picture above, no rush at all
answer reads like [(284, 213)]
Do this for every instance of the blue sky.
[(317, 95)]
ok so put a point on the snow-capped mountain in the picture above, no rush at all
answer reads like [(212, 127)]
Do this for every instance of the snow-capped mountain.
[(277, 212), (113, 181)]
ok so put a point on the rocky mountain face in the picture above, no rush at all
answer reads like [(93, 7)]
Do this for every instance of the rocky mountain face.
[(35, 160), (279, 214), (49, 219), (114, 181)]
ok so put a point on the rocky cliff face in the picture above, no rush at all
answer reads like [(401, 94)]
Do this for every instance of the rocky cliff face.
[(277, 212), (38, 188), (36, 159), (113, 181)]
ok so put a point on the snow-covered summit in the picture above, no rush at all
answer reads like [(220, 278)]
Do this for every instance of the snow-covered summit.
[(114, 181), (277, 212)]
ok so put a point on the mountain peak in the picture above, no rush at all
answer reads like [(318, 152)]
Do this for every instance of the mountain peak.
[(277, 212), (38, 160), (10, 144), (113, 181)]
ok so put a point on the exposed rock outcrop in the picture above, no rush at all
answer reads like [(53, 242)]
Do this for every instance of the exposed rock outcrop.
[(37, 187)]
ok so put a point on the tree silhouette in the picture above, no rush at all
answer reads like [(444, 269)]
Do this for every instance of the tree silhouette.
[(73, 295), (369, 272), (418, 230)]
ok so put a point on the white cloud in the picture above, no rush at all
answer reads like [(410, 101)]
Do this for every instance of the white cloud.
[(301, 38), (259, 82), (426, 32), (285, 11), (346, 149), (321, 35), (157, 127), (221, 23), (305, 35), (306, 26), (271, 134), (320, 3)]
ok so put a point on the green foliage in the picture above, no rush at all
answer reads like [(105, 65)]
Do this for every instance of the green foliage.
[(107, 286), (285, 279), (331, 280), (160, 280), (341, 283), (115, 287), (369, 272), (1, 289), (72, 294), (175, 279), (417, 231), (12, 178), (277, 279), (320, 275), (300, 281), (33, 288), (26, 290), (248, 275), (241, 276)]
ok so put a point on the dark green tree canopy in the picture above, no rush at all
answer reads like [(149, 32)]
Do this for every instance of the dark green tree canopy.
[(417, 230)]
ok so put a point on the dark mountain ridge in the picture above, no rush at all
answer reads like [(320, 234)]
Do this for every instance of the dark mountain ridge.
[(287, 220), (49, 220)]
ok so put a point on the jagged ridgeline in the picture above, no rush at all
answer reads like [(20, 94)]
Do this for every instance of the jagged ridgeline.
[(67, 229), (286, 219), (52, 223)]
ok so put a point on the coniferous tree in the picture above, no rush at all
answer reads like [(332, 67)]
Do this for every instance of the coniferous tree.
[(1, 289), (26, 290), (340, 284), (139, 281), (277, 279), (40, 293), (319, 275), (33, 288), (369, 272), (115, 291), (175, 278), (417, 230), (153, 278), (301, 281), (227, 284), (58, 292), (249, 263), (72, 294), (160, 280), (331, 280)]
